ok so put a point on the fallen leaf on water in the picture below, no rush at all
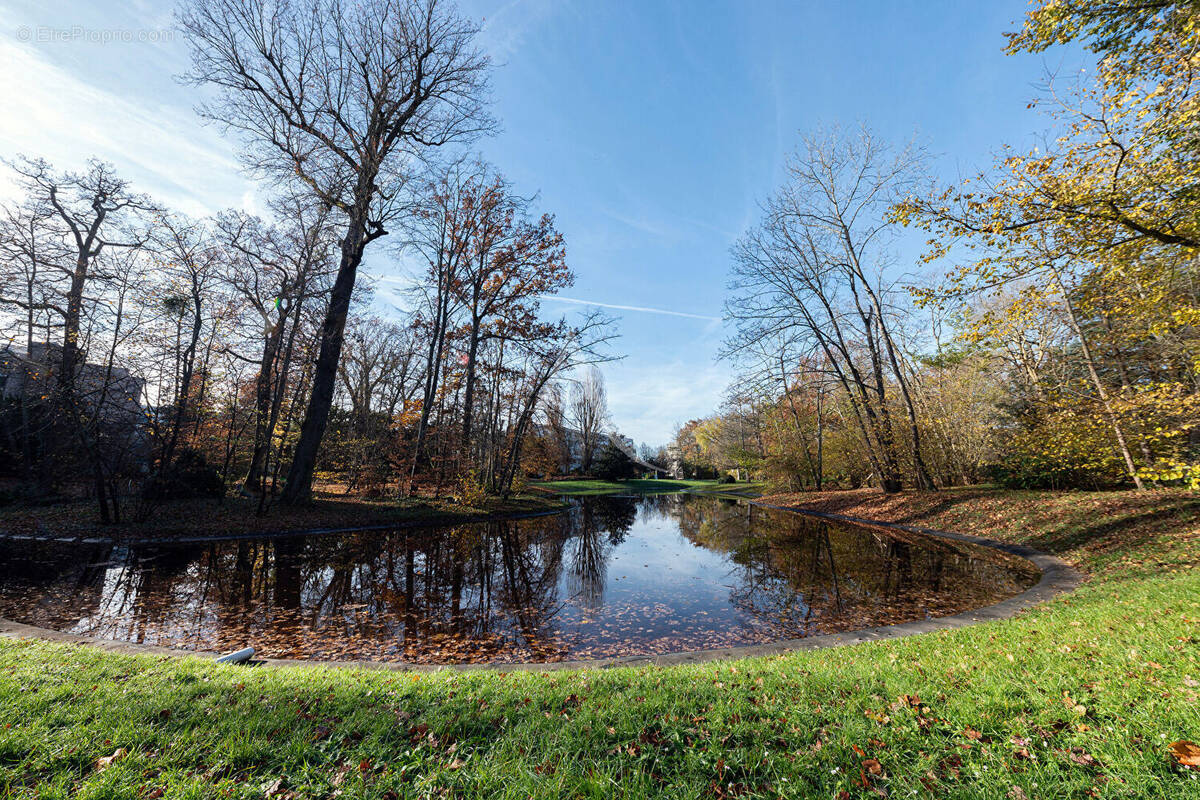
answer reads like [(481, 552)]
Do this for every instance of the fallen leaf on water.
[(1186, 754)]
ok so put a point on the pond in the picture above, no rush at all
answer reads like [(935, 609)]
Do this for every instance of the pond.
[(614, 576)]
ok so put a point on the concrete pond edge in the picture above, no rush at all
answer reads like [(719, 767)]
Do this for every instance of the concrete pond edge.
[(1057, 577)]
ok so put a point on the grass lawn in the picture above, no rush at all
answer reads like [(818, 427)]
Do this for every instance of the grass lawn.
[(236, 514), (1078, 698), (638, 486)]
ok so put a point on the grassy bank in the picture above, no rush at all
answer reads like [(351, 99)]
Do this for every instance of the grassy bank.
[(236, 514), (1079, 698)]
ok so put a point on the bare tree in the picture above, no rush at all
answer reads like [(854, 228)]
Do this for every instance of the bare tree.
[(193, 261), (814, 272), (589, 413), (70, 222), (274, 270), (380, 378), (437, 232), (86, 213), (546, 359), (343, 97), (554, 412)]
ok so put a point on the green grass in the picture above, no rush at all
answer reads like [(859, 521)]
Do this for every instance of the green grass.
[(657, 486), (743, 489), (637, 486), (1078, 698)]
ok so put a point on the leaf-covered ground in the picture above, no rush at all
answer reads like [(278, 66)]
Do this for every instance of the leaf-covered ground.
[(1083, 697)]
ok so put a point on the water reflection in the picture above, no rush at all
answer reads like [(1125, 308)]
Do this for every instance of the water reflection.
[(613, 576)]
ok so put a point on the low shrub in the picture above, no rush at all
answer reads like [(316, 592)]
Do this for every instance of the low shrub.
[(190, 476)]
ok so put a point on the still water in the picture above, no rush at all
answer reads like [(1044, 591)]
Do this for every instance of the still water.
[(613, 576)]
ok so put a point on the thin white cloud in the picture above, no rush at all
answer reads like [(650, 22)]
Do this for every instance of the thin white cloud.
[(54, 113), (640, 309), (505, 29)]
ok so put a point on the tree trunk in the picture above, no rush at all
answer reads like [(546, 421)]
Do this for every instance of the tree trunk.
[(298, 488), (264, 396), (1101, 392)]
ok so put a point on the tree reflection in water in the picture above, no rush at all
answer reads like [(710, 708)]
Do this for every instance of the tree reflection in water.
[(613, 576)]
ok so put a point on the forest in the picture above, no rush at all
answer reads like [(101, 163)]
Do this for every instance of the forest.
[(149, 355), (1045, 336)]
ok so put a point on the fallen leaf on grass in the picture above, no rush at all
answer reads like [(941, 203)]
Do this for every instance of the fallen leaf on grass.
[(339, 777), (107, 761), (872, 766), (1082, 757), (1017, 793), (278, 791), (971, 733), (1186, 754)]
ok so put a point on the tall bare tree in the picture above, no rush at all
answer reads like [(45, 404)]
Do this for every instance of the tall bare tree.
[(273, 272), (589, 413), (343, 97), (817, 270)]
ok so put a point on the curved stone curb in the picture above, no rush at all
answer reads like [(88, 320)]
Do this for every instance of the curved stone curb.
[(399, 525), (1058, 577)]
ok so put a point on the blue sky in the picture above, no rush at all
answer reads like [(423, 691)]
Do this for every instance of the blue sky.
[(650, 129)]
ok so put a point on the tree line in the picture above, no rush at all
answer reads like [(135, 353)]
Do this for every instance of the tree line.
[(1056, 344), (149, 354)]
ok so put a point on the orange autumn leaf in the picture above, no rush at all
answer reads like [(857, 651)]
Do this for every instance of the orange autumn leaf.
[(1186, 754)]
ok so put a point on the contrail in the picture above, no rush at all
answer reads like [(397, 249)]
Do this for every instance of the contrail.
[(578, 302), (643, 309)]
